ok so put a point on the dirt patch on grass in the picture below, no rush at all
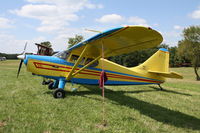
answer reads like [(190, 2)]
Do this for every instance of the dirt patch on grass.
[(103, 125), (2, 124)]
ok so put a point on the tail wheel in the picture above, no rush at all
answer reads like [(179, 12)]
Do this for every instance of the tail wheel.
[(59, 93)]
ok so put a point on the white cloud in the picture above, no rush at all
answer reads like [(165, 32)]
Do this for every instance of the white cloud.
[(171, 34), (5, 23), (178, 27), (115, 18), (110, 18), (92, 6), (10, 44), (137, 21), (195, 14), (60, 42), (71, 4), (54, 15), (171, 37)]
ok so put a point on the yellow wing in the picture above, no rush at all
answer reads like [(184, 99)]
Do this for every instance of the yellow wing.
[(119, 41)]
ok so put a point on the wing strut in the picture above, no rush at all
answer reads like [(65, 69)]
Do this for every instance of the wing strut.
[(69, 76), (96, 59), (87, 65), (72, 73)]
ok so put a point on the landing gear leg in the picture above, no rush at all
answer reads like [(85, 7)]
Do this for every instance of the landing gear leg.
[(53, 85), (59, 92), (160, 87)]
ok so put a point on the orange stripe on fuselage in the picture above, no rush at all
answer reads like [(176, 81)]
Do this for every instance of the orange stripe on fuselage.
[(164, 51)]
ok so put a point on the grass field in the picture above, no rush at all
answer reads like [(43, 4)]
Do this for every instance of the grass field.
[(26, 106)]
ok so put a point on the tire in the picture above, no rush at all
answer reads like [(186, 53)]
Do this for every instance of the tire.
[(59, 93)]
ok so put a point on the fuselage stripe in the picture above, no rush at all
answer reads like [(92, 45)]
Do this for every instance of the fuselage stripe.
[(91, 72)]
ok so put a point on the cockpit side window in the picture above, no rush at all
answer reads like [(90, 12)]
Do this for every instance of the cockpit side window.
[(63, 55)]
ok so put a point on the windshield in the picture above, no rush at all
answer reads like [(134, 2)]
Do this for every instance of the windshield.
[(62, 55)]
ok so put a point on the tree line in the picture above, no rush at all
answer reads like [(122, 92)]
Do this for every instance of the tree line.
[(9, 56)]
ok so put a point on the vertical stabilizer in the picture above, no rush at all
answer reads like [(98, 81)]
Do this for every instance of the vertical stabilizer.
[(158, 64), (158, 61)]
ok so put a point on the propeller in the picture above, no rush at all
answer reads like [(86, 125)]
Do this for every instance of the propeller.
[(20, 65), (23, 53), (22, 57)]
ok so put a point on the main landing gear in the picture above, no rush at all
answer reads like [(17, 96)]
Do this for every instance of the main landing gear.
[(59, 93), (57, 86)]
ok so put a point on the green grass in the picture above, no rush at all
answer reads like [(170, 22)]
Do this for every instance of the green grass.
[(28, 107)]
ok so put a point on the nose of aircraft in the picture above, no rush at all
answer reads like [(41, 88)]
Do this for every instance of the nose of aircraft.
[(21, 56), (26, 59)]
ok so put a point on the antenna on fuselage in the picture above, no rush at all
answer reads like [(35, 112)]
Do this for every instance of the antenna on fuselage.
[(93, 30)]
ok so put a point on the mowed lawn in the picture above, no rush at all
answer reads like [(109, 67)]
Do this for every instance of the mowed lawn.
[(26, 106)]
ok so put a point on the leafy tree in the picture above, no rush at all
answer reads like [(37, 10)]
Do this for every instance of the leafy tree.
[(74, 40), (183, 56), (174, 59), (189, 47), (47, 44)]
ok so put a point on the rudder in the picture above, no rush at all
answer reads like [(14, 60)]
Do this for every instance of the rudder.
[(158, 64), (158, 61)]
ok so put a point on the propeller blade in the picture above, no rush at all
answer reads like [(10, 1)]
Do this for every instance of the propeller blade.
[(24, 48), (20, 65), (22, 57)]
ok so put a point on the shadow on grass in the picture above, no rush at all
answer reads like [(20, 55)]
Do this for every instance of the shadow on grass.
[(169, 91), (153, 111)]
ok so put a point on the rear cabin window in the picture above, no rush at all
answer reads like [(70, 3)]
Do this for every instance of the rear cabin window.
[(84, 61), (74, 58), (93, 64)]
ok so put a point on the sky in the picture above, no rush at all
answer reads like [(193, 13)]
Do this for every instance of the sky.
[(36, 21)]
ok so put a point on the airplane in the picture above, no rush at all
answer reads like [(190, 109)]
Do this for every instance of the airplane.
[(84, 62)]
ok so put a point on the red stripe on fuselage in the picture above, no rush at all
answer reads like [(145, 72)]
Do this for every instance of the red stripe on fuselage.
[(91, 72)]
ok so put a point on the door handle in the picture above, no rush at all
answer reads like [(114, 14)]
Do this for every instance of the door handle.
[(55, 66)]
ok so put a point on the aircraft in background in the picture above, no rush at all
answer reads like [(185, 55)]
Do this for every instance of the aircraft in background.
[(84, 62)]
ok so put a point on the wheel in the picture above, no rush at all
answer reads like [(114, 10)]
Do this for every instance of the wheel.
[(59, 93), (50, 85)]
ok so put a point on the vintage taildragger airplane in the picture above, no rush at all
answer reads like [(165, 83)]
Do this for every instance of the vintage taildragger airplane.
[(83, 62)]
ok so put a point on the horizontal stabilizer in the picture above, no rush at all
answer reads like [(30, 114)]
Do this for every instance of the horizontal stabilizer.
[(167, 74)]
